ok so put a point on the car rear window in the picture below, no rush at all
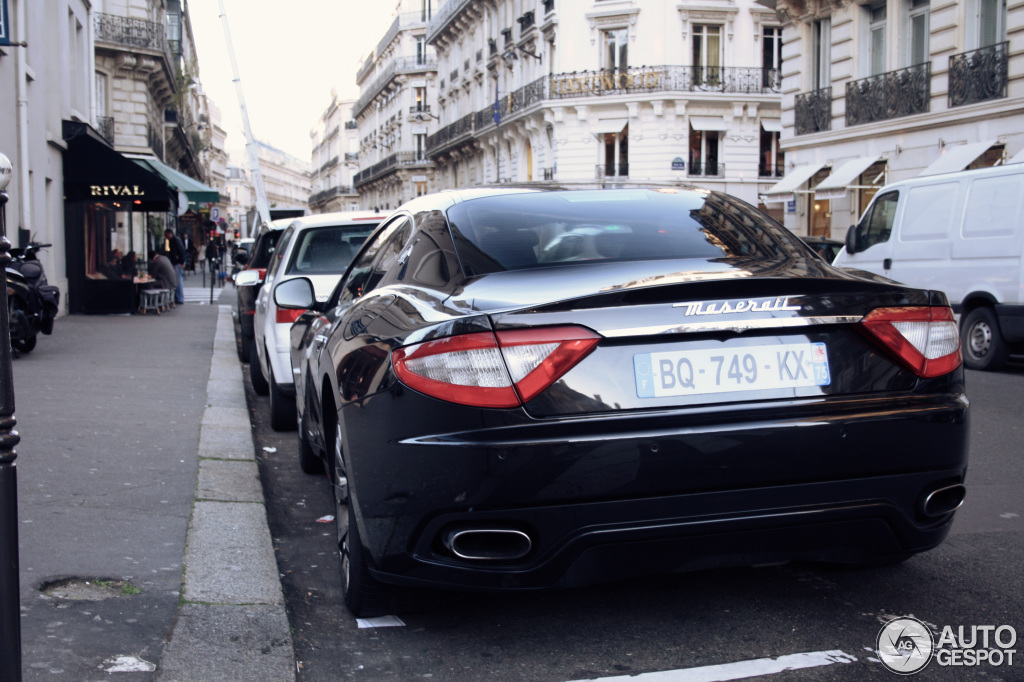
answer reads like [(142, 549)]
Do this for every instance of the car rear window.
[(264, 248), (328, 250), (538, 229)]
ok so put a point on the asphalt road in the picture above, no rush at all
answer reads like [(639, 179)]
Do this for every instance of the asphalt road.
[(675, 622)]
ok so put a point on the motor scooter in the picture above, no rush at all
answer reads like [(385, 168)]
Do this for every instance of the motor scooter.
[(32, 303)]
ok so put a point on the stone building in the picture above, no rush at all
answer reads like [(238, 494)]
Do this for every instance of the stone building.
[(887, 90), (395, 112), (335, 158), (607, 93), (286, 179)]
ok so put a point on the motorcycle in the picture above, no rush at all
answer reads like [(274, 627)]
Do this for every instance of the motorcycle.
[(32, 303)]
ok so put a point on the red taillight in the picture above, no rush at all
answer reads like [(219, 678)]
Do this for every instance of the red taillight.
[(502, 369), (288, 315), (925, 339)]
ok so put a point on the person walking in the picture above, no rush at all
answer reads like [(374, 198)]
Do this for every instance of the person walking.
[(174, 250)]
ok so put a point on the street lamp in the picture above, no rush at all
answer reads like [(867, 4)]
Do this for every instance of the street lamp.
[(10, 605)]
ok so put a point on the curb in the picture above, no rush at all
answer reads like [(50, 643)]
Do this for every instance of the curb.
[(231, 622)]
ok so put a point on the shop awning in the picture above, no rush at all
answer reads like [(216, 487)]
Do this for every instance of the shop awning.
[(955, 159), (197, 192), (783, 190), (608, 125), (1017, 158), (94, 172), (835, 185), (708, 123), (771, 125)]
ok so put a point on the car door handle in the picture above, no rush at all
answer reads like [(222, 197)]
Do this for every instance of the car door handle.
[(887, 264), (320, 339)]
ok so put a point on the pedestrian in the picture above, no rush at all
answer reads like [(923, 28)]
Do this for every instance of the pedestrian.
[(174, 250), (162, 272)]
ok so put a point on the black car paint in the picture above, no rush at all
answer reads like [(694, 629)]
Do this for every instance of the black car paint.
[(261, 251), (599, 485)]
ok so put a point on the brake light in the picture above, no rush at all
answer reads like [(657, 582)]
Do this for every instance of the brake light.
[(924, 339), (288, 315), (502, 369)]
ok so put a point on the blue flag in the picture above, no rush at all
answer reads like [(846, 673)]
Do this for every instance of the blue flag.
[(497, 105)]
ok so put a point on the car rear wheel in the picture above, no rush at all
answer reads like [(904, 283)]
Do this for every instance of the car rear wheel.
[(282, 407), (365, 597), (982, 341), (259, 382)]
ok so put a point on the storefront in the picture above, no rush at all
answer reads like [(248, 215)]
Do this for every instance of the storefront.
[(112, 209)]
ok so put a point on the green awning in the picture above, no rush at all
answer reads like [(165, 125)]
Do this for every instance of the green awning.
[(197, 192)]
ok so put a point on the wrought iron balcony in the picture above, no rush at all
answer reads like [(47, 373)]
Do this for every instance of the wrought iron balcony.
[(724, 79), (889, 95), (705, 169), (549, 174), (138, 33), (612, 170), (105, 127), (394, 161), (154, 137), (351, 125), (813, 111), (397, 66), (766, 170), (979, 75)]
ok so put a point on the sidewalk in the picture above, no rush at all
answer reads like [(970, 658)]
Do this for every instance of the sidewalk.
[(137, 475)]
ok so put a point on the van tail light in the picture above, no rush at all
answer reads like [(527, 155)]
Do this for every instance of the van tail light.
[(287, 316), (493, 369), (924, 339)]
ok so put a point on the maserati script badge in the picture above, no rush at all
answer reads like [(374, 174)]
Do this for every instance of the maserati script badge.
[(750, 305)]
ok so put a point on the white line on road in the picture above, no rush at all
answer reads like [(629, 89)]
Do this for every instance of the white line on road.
[(739, 670)]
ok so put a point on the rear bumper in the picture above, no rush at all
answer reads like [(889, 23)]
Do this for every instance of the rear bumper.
[(612, 496)]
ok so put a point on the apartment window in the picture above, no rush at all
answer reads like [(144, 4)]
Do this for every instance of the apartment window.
[(822, 53), (101, 94), (421, 50), (421, 98), (917, 32), (616, 153), (421, 146), (421, 188), (876, 39), (986, 23), (773, 160), (703, 152), (771, 55), (707, 53), (615, 49)]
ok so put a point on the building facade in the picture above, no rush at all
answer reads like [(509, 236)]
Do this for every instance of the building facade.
[(887, 90), (607, 93), (335, 158), (395, 113), (286, 179)]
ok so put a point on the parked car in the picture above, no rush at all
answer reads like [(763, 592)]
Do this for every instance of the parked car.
[(824, 247), (963, 234), (249, 281), (690, 389), (319, 248)]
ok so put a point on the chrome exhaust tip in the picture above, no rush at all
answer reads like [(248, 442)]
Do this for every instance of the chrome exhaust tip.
[(943, 500), (488, 544)]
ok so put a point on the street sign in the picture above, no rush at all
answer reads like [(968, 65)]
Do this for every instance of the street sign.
[(214, 213), (5, 28), (678, 164)]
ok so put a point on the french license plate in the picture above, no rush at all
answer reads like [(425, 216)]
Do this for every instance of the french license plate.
[(721, 370)]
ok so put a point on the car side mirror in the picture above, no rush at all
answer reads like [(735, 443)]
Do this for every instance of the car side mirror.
[(851, 240), (295, 294)]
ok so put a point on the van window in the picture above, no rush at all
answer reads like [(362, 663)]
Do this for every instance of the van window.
[(993, 207), (876, 225), (929, 211)]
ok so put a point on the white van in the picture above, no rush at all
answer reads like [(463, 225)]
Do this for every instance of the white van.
[(960, 233)]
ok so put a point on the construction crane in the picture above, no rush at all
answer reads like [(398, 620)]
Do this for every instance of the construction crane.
[(262, 207)]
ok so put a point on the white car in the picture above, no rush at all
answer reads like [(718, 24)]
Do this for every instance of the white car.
[(319, 248)]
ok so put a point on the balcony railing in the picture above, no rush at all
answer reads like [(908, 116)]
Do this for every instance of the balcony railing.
[(549, 174), (706, 169), (766, 170), (351, 125), (889, 95), (443, 17), (105, 127), (725, 79), (351, 156), (979, 75), (154, 137), (330, 163), (398, 65), (612, 170), (813, 111), (138, 33), (382, 167)]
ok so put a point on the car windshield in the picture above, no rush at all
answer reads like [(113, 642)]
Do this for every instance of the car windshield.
[(327, 250), (537, 229)]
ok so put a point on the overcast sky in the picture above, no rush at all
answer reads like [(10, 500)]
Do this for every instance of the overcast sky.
[(290, 54)]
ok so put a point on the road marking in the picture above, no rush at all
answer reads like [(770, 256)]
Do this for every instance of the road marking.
[(739, 670)]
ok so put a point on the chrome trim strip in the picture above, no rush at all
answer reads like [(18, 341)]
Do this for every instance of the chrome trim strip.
[(737, 326)]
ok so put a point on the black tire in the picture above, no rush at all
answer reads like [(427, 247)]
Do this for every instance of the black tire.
[(259, 382), (16, 309), (365, 597), (282, 407), (309, 461), (982, 341), (25, 345), (243, 348)]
